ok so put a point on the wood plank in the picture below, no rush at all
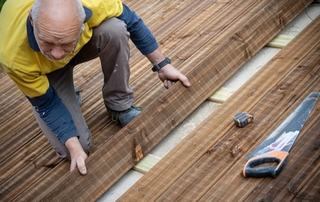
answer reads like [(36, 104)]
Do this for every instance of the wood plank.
[(207, 164)]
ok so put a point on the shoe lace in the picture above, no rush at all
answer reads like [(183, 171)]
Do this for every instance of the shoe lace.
[(138, 108), (114, 116)]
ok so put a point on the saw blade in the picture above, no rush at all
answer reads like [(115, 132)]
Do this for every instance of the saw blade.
[(287, 132)]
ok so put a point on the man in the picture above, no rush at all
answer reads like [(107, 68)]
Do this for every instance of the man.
[(42, 40)]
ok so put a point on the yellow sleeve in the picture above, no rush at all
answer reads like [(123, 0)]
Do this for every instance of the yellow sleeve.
[(31, 84)]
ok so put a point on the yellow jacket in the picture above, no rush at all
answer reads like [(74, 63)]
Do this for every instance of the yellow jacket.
[(28, 68)]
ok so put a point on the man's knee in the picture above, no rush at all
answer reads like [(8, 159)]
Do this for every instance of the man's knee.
[(112, 31)]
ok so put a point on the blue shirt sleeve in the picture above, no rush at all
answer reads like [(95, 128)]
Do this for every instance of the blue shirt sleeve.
[(140, 34), (55, 114)]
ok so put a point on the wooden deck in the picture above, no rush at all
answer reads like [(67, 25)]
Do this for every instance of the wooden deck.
[(207, 40), (207, 165)]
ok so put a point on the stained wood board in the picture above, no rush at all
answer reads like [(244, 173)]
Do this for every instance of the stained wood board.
[(207, 164), (27, 174)]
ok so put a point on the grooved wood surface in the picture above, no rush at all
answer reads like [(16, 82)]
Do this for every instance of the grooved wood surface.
[(207, 164), (207, 40)]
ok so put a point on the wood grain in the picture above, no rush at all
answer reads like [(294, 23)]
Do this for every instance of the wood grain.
[(207, 40)]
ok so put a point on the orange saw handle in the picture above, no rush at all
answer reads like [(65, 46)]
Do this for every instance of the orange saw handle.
[(253, 167)]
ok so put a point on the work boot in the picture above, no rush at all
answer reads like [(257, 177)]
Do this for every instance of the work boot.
[(124, 117)]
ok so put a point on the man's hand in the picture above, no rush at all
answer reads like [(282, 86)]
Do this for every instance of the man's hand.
[(170, 75), (78, 156), (167, 74)]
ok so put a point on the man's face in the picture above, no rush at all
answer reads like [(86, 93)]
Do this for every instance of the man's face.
[(56, 45)]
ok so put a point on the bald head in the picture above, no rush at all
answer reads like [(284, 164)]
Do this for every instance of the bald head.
[(58, 12), (57, 26)]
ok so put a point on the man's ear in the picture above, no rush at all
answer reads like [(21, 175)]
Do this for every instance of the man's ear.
[(30, 17)]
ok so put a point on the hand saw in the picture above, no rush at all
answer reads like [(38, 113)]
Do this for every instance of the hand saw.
[(275, 149)]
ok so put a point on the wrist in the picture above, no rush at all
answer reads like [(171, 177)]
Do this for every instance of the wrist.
[(161, 64), (73, 145)]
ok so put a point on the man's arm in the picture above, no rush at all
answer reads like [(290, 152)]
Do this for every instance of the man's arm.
[(140, 34), (54, 113), (147, 44)]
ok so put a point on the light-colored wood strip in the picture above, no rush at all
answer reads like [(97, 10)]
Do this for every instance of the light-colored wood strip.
[(280, 41), (221, 95), (146, 163)]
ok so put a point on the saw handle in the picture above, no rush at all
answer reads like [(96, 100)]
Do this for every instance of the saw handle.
[(253, 167)]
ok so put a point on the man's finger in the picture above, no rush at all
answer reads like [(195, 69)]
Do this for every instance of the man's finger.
[(171, 83), (72, 165), (82, 167), (185, 81), (165, 83)]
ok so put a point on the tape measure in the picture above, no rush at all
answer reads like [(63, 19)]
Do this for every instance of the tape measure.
[(242, 119)]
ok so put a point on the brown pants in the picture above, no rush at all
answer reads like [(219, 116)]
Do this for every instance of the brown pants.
[(110, 44)]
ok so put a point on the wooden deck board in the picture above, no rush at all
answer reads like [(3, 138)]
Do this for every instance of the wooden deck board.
[(207, 164), (194, 34)]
